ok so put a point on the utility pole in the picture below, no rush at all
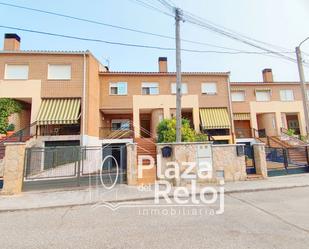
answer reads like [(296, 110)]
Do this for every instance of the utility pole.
[(178, 76), (303, 85)]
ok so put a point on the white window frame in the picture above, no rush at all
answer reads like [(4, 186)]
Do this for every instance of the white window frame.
[(260, 100), (121, 121), (184, 88), (212, 85), (117, 84), (286, 97), (151, 86), (19, 76), (237, 100), (65, 75)]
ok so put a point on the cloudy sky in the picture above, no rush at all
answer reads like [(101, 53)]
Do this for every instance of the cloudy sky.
[(283, 23)]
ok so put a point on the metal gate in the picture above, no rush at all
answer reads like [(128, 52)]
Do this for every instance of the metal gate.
[(71, 166), (249, 157), (283, 161)]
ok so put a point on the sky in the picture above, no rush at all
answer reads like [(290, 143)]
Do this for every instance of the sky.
[(280, 22)]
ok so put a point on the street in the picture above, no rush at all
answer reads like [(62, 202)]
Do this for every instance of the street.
[(266, 219)]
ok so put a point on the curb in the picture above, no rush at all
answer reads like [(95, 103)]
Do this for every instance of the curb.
[(147, 199)]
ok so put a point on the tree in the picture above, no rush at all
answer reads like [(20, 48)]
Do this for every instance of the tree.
[(166, 131)]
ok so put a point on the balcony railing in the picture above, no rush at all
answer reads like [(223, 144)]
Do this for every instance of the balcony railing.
[(58, 130), (109, 133), (243, 133)]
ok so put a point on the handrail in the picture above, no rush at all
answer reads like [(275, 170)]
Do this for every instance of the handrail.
[(284, 131), (19, 134)]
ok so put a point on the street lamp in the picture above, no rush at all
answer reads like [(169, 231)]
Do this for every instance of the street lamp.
[(303, 84)]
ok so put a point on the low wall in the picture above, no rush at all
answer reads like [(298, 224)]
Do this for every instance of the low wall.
[(223, 158)]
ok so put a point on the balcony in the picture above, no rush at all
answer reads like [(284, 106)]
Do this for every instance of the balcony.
[(59, 130), (110, 133), (243, 133)]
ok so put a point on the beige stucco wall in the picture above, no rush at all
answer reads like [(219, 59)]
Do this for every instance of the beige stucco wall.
[(165, 102), (23, 89), (277, 107)]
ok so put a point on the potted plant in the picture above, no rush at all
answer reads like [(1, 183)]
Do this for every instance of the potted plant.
[(10, 130)]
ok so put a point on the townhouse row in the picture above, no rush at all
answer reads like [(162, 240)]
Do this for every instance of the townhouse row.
[(70, 98)]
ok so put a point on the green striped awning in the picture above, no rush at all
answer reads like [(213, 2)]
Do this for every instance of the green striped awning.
[(215, 118), (59, 111), (241, 116)]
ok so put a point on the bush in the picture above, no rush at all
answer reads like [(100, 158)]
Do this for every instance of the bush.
[(166, 131), (7, 107), (201, 137), (290, 132)]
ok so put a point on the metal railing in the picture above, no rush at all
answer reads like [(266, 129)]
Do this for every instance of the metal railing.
[(296, 138), (110, 133), (243, 133), (58, 130)]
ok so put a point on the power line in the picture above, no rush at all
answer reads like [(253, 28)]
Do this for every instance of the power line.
[(197, 22), (116, 26), (128, 44)]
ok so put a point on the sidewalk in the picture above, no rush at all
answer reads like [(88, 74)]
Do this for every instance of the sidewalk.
[(123, 193)]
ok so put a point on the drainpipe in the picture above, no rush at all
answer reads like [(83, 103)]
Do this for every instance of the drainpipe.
[(84, 100), (230, 108)]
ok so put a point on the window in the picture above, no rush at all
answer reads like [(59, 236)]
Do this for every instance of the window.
[(150, 88), (286, 95), (120, 124), (59, 72), (184, 88), (238, 96), (119, 88), (16, 72), (262, 95), (209, 88)]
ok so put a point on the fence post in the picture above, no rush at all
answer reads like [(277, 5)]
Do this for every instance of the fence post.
[(307, 156), (285, 159), (80, 151), (13, 167)]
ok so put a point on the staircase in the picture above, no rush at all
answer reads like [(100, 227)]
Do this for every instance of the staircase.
[(296, 151), (22, 135), (147, 147)]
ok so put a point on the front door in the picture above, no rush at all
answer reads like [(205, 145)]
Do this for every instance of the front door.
[(145, 128)]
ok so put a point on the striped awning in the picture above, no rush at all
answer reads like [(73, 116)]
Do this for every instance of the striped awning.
[(215, 118), (241, 116), (59, 111)]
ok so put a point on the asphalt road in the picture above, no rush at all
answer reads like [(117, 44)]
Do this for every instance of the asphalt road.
[(268, 219)]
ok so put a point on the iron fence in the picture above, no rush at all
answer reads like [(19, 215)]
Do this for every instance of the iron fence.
[(74, 166), (291, 160)]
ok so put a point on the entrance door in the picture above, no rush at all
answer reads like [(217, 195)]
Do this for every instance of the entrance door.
[(145, 128), (292, 122)]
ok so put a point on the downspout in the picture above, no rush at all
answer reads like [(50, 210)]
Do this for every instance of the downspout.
[(84, 100), (231, 109)]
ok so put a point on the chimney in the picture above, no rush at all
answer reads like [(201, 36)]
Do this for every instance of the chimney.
[(163, 64), (11, 42), (268, 75)]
